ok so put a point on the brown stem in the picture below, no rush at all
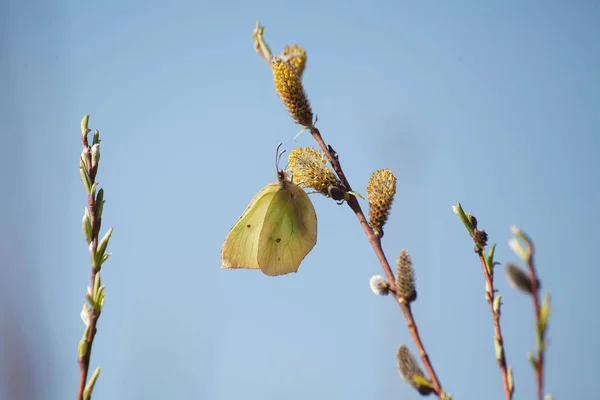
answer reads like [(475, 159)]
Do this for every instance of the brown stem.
[(535, 285), (489, 296), (414, 332), (84, 361), (355, 206), (375, 242)]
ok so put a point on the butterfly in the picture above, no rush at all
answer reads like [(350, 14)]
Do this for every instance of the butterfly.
[(276, 231)]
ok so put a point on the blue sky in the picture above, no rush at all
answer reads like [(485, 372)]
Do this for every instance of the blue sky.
[(494, 105)]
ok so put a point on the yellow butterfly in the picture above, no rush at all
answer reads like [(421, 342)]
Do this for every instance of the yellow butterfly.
[(275, 233)]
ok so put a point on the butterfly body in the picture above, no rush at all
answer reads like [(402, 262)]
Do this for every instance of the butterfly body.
[(276, 231)]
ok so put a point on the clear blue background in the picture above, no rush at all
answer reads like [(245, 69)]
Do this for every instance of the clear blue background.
[(494, 104)]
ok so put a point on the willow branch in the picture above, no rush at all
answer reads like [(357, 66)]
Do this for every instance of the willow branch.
[(91, 223), (489, 296), (535, 285), (375, 242), (94, 314)]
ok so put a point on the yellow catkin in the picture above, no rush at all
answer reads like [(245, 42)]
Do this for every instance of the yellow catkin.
[(405, 278), (290, 90), (295, 56), (380, 191), (309, 169)]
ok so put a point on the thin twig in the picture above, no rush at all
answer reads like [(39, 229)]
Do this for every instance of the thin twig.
[(412, 328), (489, 296), (94, 314), (355, 206), (375, 242), (535, 284)]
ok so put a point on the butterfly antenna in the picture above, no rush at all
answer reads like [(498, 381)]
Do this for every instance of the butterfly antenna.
[(278, 156)]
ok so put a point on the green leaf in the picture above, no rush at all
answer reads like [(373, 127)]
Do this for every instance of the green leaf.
[(423, 385), (94, 188), (97, 282), (86, 225), (85, 179), (98, 292), (102, 247), (85, 315), (82, 348), (457, 209), (498, 349), (490, 259), (99, 298), (105, 257), (83, 344), (96, 137), (99, 203), (545, 310), (90, 299), (421, 381), (92, 254), (83, 161), (84, 125), (89, 387), (95, 154), (497, 303)]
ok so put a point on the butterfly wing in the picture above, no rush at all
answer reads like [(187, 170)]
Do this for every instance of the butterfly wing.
[(289, 231), (241, 245)]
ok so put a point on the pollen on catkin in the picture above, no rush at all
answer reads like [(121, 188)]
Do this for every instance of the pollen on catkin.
[(379, 285), (290, 90), (309, 169), (380, 191), (295, 56), (405, 278), (409, 369)]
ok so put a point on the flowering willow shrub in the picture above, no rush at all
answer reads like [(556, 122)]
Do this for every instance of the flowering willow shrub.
[(321, 171)]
